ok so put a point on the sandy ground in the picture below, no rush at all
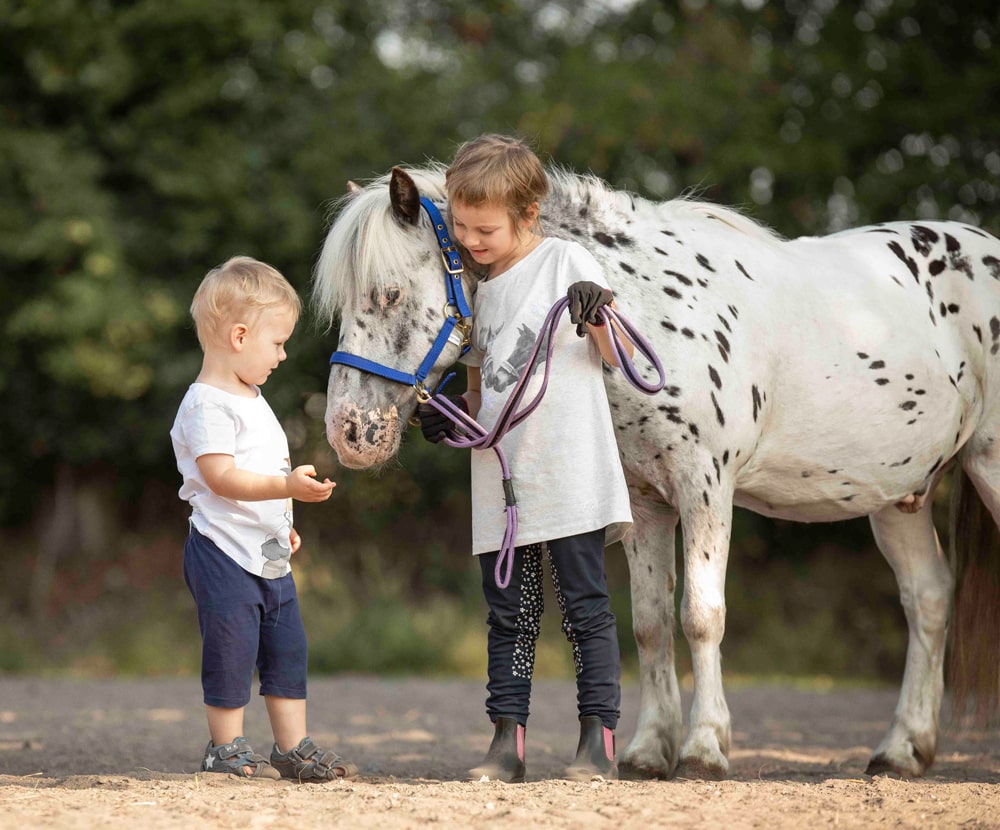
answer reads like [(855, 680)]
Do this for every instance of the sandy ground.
[(124, 754)]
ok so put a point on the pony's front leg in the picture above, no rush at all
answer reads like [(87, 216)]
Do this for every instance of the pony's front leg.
[(654, 748), (707, 523), (911, 547)]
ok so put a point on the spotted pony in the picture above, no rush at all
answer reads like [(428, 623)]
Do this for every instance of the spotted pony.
[(812, 379)]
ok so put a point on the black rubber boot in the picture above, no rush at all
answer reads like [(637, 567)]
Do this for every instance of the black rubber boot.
[(595, 754), (505, 759)]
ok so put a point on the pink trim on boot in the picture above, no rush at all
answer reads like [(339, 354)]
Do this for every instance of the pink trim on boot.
[(609, 743), (520, 742)]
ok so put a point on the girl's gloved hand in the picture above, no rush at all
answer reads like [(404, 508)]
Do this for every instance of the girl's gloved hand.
[(585, 298), (434, 424)]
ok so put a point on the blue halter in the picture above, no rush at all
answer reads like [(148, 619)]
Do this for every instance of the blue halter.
[(456, 310)]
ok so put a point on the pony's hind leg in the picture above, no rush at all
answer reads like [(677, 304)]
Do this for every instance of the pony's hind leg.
[(910, 545), (653, 750)]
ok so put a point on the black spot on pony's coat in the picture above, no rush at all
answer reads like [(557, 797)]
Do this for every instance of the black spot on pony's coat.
[(688, 333), (863, 356), (906, 406), (953, 308), (877, 364), (743, 271), (979, 333), (668, 233), (672, 413), (930, 291), (715, 377), (664, 253), (725, 323), (901, 463), (993, 264), (628, 269), (734, 311), (704, 263), (604, 239), (909, 261), (672, 292), (704, 497), (679, 277), (881, 381), (755, 395), (943, 310), (672, 391), (718, 470), (694, 429), (725, 457), (936, 267), (668, 325), (923, 239), (952, 244), (723, 344), (718, 411)]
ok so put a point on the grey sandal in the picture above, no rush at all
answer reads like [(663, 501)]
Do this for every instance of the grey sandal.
[(236, 758), (308, 763)]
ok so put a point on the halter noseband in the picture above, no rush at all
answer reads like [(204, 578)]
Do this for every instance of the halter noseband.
[(456, 311)]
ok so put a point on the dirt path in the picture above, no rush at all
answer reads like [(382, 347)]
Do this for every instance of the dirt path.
[(122, 754)]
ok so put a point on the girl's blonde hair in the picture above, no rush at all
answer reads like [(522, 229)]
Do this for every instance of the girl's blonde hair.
[(497, 170), (238, 291)]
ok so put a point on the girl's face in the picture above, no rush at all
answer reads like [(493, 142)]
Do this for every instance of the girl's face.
[(490, 235), (263, 345)]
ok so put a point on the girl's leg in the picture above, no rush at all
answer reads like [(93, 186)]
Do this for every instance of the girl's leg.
[(582, 591), (515, 621)]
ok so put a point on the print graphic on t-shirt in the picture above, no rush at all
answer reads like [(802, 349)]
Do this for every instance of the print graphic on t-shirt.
[(499, 374)]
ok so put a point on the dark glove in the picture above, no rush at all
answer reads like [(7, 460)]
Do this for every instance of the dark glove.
[(434, 424), (585, 298)]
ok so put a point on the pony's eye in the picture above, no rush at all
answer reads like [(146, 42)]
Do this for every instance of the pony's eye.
[(387, 298)]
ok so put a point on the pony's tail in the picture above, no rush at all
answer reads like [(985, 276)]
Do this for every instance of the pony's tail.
[(974, 551)]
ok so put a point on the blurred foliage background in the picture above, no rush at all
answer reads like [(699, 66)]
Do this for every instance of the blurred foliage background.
[(143, 142)]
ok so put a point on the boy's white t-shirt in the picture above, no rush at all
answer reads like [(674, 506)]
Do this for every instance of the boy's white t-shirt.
[(255, 534), (565, 468)]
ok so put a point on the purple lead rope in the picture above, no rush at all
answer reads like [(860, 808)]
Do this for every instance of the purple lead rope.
[(478, 438)]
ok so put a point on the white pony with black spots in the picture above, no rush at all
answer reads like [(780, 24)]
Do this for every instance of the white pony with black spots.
[(813, 379)]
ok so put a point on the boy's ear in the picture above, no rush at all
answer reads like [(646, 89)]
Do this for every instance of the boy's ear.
[(238, 335)]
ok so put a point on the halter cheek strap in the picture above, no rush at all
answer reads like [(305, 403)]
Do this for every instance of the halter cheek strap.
[(454, 329)]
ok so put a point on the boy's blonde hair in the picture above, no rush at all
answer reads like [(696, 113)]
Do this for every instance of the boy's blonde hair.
[(497, 170), (238, 291)]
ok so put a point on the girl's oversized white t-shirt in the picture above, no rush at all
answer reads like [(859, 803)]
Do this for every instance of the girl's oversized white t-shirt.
[(255, 534), (566, 472)]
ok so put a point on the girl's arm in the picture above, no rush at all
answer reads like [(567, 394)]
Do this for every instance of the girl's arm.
[(226, 479), (472, 395)]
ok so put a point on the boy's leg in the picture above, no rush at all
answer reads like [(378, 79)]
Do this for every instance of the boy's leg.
[(224, 725), (283, 666), (581, 589), (229, 618), (515, 620), (288, 720)]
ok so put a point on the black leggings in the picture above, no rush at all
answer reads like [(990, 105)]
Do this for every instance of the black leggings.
[(577, 564)]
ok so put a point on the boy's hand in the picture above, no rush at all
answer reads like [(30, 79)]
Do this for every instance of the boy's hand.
[(302, 485), (294, 539)]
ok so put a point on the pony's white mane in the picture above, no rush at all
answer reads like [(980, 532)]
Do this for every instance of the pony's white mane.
[(362, 249)]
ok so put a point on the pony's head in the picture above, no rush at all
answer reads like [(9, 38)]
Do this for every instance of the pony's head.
[(381, 273)]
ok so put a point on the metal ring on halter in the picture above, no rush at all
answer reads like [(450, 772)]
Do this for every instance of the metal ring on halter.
[(422, 397)]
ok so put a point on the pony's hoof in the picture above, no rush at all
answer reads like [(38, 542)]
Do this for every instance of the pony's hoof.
[(700, 769), (636, 770), (882, 764)]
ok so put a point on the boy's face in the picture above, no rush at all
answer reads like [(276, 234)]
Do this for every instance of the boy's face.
[(262, 344)]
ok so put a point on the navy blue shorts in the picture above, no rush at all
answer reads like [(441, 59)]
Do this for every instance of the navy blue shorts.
[(245, 621)]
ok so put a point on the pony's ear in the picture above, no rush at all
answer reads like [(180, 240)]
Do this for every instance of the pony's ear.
[(353, 189), (405, 197)]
